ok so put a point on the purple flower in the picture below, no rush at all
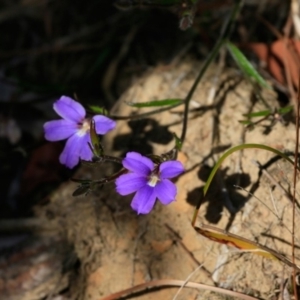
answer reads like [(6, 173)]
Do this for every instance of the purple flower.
[(148, 181), (76, 128)]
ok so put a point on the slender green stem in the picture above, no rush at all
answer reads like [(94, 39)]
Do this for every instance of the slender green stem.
[(237, 148), (222, 39), (188, 98), (113, 177), (103, 158), (224, 156)]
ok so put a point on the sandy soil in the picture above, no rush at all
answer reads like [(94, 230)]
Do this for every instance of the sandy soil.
[(117, 249)]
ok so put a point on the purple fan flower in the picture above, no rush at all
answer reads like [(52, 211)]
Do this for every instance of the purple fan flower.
[(75, 127), (148, 181)]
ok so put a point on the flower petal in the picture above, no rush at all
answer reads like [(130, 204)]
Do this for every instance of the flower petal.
[(170, 169), (103, 124), (69, 109), (165, 191), (59, 130), (144, 200), (137, 163), (74, 150), (130, 183), (85, 151)]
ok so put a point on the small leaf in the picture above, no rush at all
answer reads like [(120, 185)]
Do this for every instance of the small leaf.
[(98, 110), (178, 142), (285, 110), (156, 103), (245, 122), (263, 113), (245, 65), (82, 181), (96, 145), (84, 189), (227, 238), (248, 124)]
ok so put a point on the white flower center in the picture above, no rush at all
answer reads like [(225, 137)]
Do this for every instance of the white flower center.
[(84, 127), (153, 180)]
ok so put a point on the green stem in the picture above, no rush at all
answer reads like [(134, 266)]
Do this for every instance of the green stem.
[(188, 98), (237, 148), (224, 156), (103, 158), (223, 37)]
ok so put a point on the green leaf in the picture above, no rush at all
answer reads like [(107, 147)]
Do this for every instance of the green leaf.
[(82, 190), (227, 154), (238, 148), (245, 122), (263, 113), (245, 65), (98, 110), (96, 145), (285, 110), (155, 103), (178, 142), (81, 181)]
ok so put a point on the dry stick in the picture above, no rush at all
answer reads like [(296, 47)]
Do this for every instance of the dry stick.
[(292, 47), (294, 186), (172, 283), (286, 65)]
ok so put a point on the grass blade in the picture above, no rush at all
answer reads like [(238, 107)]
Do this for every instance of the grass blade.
[(244, 64)]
